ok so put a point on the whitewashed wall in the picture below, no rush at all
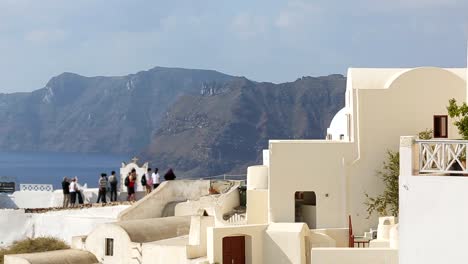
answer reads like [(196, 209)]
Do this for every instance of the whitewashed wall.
[(17, 225), (433, 220)]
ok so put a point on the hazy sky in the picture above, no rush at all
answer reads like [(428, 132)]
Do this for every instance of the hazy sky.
[(264, 40)]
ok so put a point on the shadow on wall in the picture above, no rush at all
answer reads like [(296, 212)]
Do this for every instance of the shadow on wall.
[(6, 202), (274, 253)]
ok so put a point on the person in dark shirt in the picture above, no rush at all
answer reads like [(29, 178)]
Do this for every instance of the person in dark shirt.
[(66, 192), (102, 188), (169, 176), (113, 186)]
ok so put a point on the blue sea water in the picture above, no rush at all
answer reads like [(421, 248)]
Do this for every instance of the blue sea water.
[(50, 168)]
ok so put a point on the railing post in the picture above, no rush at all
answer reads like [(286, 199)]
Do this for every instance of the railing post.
[(407, 157)]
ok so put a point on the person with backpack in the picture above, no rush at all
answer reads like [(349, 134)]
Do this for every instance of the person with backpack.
[(113, 187), (102, 188)]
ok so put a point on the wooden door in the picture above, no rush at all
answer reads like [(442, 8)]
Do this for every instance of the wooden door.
[(234, 250)]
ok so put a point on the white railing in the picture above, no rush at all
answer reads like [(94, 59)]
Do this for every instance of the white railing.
[(237, 219), (442, 156), (36, 187)]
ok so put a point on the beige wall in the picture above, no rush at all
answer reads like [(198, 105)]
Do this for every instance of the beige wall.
[(309, 165), (166, 251), (95, 243), (254, 242), (354, 256), (152, 205), (286, 243), (198, 236), (405, 108), (257, 207), (346, 171), (339, 235)]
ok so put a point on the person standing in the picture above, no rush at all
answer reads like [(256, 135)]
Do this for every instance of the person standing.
[(79, 191), (156, 178), (147, 181), (72, 189), (131, 185), (102, 188), (66, 192), (113, 187)]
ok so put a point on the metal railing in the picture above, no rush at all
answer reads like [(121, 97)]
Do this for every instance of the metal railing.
[(226, 177), (36, 187), (442, 156)]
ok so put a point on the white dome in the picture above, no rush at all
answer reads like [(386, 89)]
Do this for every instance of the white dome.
[(338, 126)]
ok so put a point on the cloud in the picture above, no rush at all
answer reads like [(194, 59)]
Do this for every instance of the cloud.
[(246, 25), (47, 36), (298, 13), (392, 5)]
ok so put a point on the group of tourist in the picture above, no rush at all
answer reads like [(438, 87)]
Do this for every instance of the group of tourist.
[(149, 181), (103, 184), (71, 191)]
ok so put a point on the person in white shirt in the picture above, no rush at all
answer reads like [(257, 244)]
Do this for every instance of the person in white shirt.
[(156, 178), (73, 189)]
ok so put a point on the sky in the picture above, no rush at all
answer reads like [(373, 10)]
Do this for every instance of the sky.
[(264, 40)]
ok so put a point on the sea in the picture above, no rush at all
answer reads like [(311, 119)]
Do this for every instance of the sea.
[(50, 168)]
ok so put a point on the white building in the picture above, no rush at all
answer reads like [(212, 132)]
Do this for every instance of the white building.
[(299, 201)]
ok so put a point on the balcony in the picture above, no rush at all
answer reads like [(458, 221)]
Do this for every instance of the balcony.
[(442, 157)]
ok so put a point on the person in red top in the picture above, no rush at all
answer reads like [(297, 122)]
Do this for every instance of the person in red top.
[(130, 183)]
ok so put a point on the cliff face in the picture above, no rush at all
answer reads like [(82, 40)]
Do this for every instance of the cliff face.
[(199, 122), (224, 132), (99, 114)]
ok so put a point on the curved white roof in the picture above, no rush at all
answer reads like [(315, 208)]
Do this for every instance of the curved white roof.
[(338, 125), (153, 229), (374, 78), (69, 256)]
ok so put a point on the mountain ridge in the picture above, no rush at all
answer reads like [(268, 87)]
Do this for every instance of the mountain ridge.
[(153, 113)]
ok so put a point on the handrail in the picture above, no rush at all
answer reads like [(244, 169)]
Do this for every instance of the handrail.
[(450, 141), (442, 156)]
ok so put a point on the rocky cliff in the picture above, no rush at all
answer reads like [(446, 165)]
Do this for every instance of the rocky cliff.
[(199, 122)]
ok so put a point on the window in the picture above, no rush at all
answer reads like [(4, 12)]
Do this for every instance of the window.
[(440, 126), (109, 247)]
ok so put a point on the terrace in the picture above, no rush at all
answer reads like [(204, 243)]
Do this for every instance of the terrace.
[(441, 157)]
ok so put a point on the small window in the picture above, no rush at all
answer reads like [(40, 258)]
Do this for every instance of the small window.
[(341, 136), (440, 126), (109, 247), (329, 137)]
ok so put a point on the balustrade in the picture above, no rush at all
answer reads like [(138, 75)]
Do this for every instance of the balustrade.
[(442, 156)]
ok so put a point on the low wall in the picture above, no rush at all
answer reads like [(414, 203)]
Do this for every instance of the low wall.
[(64, 224), (152, 205), (6, 201), (46, 199), (354, 256), (340, 235)]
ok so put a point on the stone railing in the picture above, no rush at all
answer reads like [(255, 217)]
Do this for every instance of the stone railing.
[(441, 156), (36, 187)]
